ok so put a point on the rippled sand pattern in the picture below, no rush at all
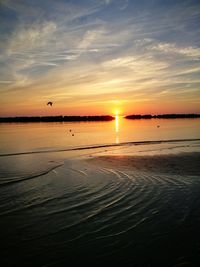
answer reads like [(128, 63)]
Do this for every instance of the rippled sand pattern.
[(100, 214)]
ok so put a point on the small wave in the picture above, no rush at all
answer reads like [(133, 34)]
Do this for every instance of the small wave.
[(24, 178), (125, 231), (80, 172), (150, 142), (106, 196)]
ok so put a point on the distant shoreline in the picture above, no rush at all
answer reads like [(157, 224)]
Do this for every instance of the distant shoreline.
[(93, 118), (162, 116), (56, 119)]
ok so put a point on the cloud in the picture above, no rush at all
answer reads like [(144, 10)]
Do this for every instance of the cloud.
[(99, 50), (138, 64), (27, 38), (173, 48), (108, 2), (88, 39), (124, 4)]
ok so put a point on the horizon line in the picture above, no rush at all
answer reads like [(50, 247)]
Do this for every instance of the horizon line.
[(74, 118)]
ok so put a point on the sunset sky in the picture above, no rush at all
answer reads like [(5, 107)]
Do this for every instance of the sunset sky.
[(96, 56)]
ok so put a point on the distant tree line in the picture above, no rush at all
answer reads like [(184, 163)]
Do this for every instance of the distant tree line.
[(162, 116), (93, 118), (56, 118)]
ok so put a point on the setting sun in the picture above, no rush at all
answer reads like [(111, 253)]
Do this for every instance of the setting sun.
[(99, 132), (116, 112)]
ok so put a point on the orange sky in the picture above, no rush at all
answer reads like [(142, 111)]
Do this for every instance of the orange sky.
[(98, 56)]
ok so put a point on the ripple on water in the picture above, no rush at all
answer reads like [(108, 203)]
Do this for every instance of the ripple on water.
[(100, 210)]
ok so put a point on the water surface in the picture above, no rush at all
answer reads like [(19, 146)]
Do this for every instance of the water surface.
[(125, 205)]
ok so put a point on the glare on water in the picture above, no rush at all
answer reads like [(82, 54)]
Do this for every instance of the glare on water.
[(33, 136)]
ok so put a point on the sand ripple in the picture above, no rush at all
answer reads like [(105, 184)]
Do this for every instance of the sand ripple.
[(100, 208)]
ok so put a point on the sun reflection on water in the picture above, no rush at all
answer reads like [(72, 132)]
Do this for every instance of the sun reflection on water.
[(116, 123), (117, 128)]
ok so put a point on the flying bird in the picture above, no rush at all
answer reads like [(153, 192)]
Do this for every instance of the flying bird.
[(50, 103)]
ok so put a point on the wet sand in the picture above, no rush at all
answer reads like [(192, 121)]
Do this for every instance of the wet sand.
[(181, 164), (98, 208)]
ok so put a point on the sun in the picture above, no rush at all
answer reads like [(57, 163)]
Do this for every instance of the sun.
[(116, 112)]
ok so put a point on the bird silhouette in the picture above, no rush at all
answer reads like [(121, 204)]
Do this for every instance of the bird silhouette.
[(50, 103)]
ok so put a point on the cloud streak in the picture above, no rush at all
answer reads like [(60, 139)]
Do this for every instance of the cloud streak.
[(99, 52)]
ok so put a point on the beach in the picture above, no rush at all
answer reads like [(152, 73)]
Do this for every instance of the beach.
[(99, 133), (180, 164), (134, 203)]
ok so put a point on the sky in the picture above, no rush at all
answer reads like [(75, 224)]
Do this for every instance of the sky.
[(96, 57)]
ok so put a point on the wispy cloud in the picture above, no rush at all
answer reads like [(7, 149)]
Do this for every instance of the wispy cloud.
[(33, 37), (171, 48), (99, 51)]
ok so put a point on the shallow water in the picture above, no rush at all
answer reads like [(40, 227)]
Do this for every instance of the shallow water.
[(59, 209), (20, 137)]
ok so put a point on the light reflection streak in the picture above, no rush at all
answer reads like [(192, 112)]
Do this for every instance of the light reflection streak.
[(117, 129), (116, 123)]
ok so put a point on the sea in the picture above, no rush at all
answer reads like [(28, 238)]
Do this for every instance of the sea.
[(61, 206)]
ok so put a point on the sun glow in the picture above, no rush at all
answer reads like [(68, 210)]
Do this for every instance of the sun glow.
[(116, 112)]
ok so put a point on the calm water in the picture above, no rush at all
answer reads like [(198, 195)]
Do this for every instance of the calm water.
[(44, 136), (58, 209)]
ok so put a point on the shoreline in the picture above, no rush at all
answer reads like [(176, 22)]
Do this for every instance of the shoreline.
[(26, 119), (97, 146)]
